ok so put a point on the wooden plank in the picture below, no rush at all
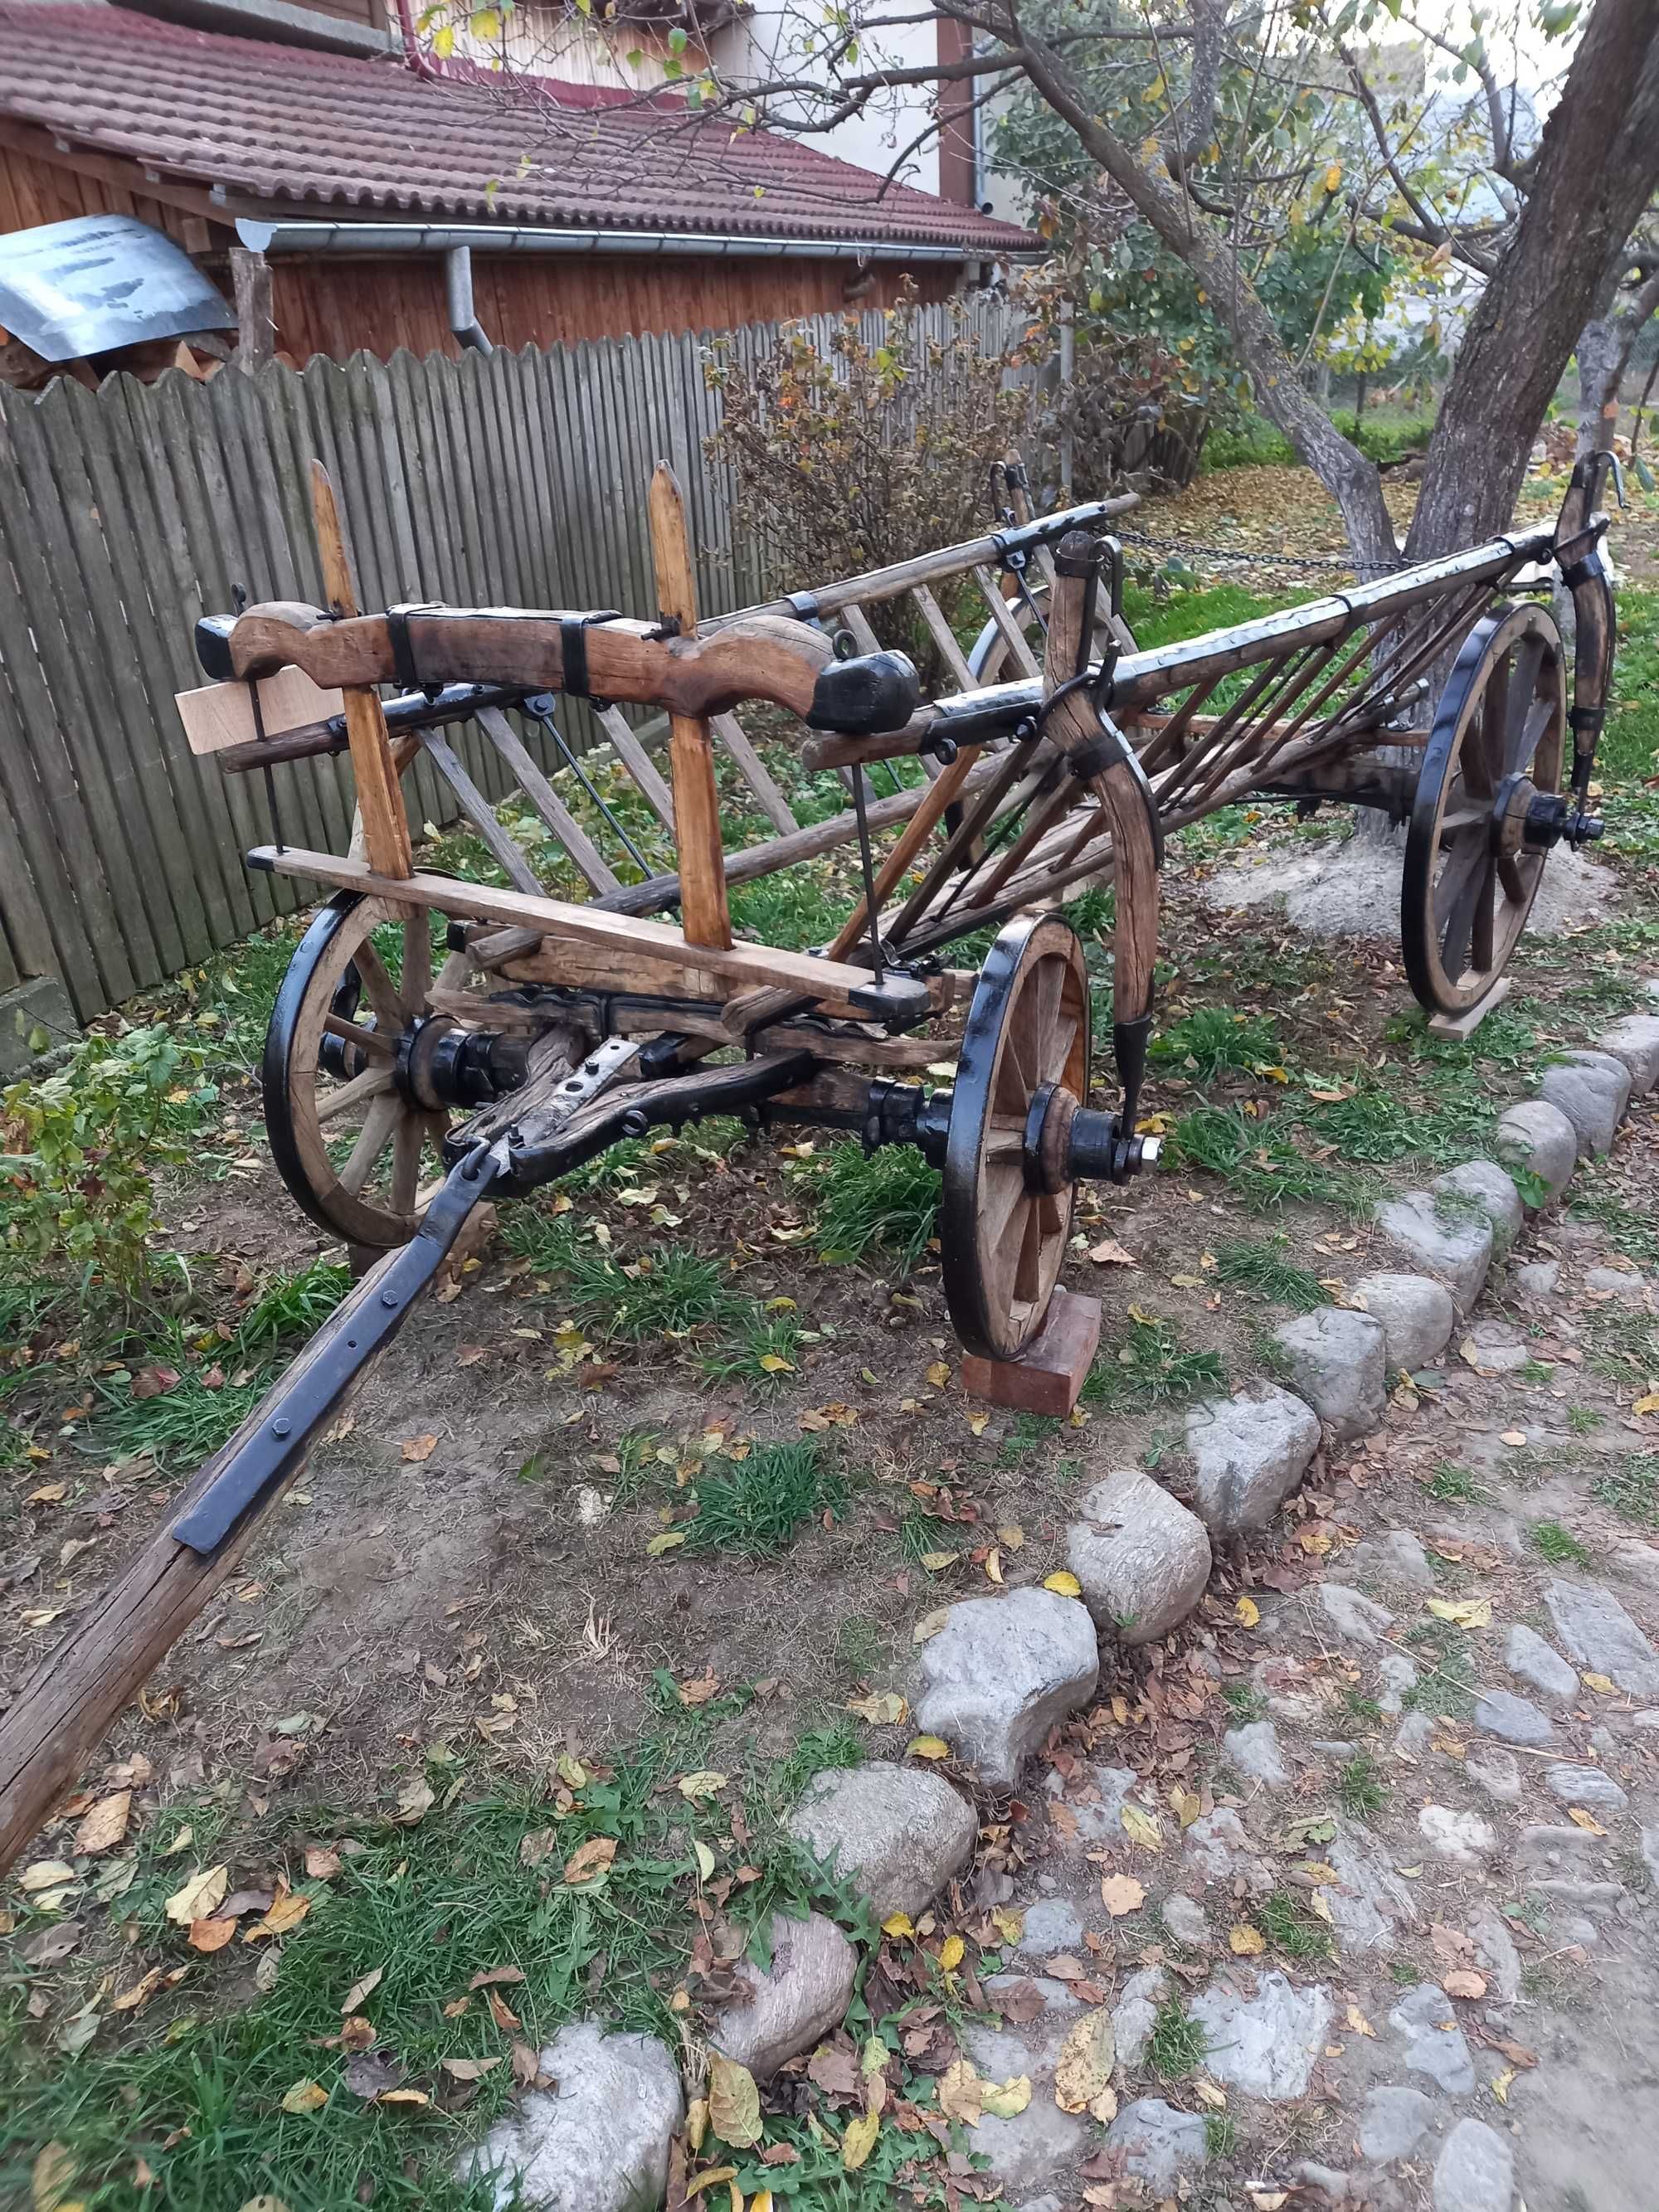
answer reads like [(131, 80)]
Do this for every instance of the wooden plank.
[(746, 966), (754, 771), (550, 807), (690, 753), (943, 635), (221, 714), (1003, 616), (479, 811), (640, 765), (379, 796)]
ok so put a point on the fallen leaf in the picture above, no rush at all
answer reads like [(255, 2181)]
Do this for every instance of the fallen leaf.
[(1500, 2084), (1063, 1583), (1209, 2094), (734, 2103), (322, 1864), (1121, 1893), (1082, 2072), (105, 1825), (1647, 1403), (50, 2177), (1601, 1684), (1010, 1922), (1587, 1822), (155, 1382), (355, 1995), (415, 1800), (860, 2140), (1246, 1612), (286, 1913), (593, 1857), (927, 1747), (305, 2097), (898, 1923), (1358, 2021), (959, 2093), (417, 1450), (1141, 1828), (1245, 1942), (1109, 1253), (977, 1423), (210, 1935), (1006, 2100), (881, 1708), (1464, 1612), (1464, 1982), (705, 1782), (665, 1542), (1512, 1436), (712, 2178), (200, 1897), (705, 1857), (930, 1624), (952, 1952)]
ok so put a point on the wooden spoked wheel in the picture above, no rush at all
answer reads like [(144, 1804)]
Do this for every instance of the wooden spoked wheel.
[(1471, 864), (1005, 1210), (991, 658), (359, 1156)]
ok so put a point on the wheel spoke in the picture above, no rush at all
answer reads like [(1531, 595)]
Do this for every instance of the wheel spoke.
[(1060, 1040), (1455, 944), (1514, 883), (1006, 1140), (1526, 731), (389, 1011), (1526, 666), (418, 961), (1005, 1187), (407, 1141), (1483, 937), (1461, 859), (369, 1085), (383, 1115), (1028, 1276), (366, 1040)]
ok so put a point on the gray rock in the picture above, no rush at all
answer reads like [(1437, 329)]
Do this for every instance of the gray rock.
[(1434, 2041), (1183, 1916), (1265, 2042), (1254, 1750), (1217, 1847), (1002, 1672), (1495, 1772), (1588, 1896), (1453, 1247), (1587, 1786), (1051, 1926), (1397, 1556), (897, 1831), (1539, 1137), (1604, 1744), (1332, 2184), (1135, 2014), (1650, 1854), (1293, 1692), (1413, 1736), (1416, 1314), (1335, 1360), (1143, 1559), (1394, 2121), (1495, 1948), (1515, 1720), (1497, 1349), (1369, 1903), (1542, 1848), (799, 1997), (1356, 1617), (1540, 1665), (1635, 1041), (1160, 2144), (1619, 1282), (1490, 1187), (1025, 2152), (1592, 1089), (1248, 1453), (1463, 1837), (598, 2141), (1536, 1279), (1397, 1674), (1602, 1637), (1099, 1816), (1475, 2172)]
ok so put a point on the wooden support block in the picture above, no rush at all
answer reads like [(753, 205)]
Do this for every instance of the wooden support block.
[(1453, 1029), (690, 750), (384, 826), (1048, 1375)]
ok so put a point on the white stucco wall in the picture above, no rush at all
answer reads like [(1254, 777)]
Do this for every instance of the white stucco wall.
[(770, 41)]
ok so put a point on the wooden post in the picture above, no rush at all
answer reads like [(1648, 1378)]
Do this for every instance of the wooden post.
[(690, 747), (379, 795), (249, 276)]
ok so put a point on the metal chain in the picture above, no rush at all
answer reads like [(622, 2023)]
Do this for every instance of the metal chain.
[(1340, 567)]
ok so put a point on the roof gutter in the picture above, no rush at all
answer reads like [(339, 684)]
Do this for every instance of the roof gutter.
[(303, 237)]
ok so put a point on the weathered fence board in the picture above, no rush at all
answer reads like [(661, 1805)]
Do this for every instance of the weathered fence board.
[(127, 512)]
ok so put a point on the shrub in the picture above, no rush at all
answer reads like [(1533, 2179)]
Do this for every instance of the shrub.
[(80, 1149)]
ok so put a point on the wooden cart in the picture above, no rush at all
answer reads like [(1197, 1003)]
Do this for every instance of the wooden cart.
[(401, 1089)]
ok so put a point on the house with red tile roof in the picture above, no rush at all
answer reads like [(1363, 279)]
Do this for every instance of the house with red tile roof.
[(358, 194)]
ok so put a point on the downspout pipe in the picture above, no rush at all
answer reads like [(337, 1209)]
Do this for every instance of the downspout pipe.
[(458, 290), (415, 58)]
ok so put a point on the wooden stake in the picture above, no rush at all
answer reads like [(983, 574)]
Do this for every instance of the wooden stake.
[(386, 844), (690, 747)]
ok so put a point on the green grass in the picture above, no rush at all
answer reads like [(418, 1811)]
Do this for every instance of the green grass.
[(757, 1341), (753, 1507), (1446, 1683), (1210, 1039), (292, 1305), (886, 1200), (861, 1646), (793, 911), (1026, 1433), (1177, 2045), (1583, 1421), (1624, 1344), (1243, 1702), (1258, 1264), (1629, 750), (1284, 1919), (1557, 1545), (1632, 1489), (668, 1292), (1262, 1161), (1457, 1485), (1362, 1787), (1146, 1366), (1632, 1230)]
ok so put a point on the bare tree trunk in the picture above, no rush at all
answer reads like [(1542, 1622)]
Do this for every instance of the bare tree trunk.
[(1604, 350)]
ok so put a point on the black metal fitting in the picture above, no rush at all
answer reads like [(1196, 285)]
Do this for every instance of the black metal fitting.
[(440, 1064)]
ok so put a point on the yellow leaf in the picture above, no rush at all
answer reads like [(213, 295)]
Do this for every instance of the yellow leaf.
[(658, 1544), (976, 1422), (589, 1860), (286, 1913), (1208, 2093), (881, 1708), (1246, 1612), (105, 1825), (403, 2097), (1359, 2023), (705, 1782), (1082, 2072), (927, 1747), (951, 1953), (734, 2103), (696, 2122), (937, 1562), (930, 1624), (1063, 1584), (960, 2093), (201, 1896), (1587, 1822), (1011, 1536), (938, 1374), (50, 2177), (1146, 1320), (705, 1857), (1318, 1540), (993, 1567), (860, 2140), (1141, 1828), (1601, 1684), (1186, 1805), (1464, 1612), (773, 1363), (1121, 1893), (898, 1923), (1649, 1403), (1010, 1923), (1006, 2100), (711, 2179), (1245, 1942), (419, 1448), (45, 1873), (1334, 176), (1500, 2084), (305, 2097)]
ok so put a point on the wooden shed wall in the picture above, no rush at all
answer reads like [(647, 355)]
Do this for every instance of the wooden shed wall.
[(337, 306)]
